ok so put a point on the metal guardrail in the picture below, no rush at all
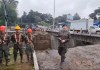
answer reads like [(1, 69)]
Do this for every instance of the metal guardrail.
[(80, 33)]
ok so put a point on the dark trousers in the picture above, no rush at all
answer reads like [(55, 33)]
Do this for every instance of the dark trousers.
[(15, 52), (29, 52), (62, 51), (4, 50)]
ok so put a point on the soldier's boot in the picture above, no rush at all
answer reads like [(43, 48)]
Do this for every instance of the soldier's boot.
[(7, 62), (32, 62), (7, 58), (62, 59), (15, 62), (21, 59), (15, 57), (27, 59), (0, 62)]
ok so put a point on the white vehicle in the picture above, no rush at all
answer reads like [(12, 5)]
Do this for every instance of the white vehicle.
[(82, 25), (94, 30)]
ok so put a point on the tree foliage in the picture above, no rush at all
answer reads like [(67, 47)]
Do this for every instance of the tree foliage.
[(76, 17), (11, 6), (60, 19), (36, 17), (95, 14), (43, 23)]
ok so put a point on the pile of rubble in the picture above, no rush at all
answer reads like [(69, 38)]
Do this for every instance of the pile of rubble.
[(79, 58), (42, 40)]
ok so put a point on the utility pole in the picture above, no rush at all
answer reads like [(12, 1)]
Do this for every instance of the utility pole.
[(87, 21), (54, 16), (5, 13)]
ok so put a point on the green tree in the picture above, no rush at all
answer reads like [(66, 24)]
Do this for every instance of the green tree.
[(60, 19), (11, 6), (24, 17), (47, 18), (95, 14), (76, 17), (30, 17), (36, 17), (43, 23)]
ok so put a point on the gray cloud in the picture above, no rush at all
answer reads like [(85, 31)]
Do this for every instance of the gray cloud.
[(83, 7)]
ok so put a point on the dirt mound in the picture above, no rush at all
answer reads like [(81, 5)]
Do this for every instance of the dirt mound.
[(86, 57), (79, 58), (42, 40)]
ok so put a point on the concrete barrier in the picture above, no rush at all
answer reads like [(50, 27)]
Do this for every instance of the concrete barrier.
[(36, 66)]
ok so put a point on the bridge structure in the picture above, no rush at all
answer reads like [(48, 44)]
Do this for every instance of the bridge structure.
[(85, 37)]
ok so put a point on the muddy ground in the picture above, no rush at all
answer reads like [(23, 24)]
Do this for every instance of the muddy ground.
[(18, 65), (79, 58)]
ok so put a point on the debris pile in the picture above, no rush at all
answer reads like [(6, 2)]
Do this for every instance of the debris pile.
[(42, 40)]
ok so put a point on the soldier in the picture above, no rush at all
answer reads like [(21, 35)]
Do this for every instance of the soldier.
[(18, 40), (29, 45), (4, 48), (64, 37)]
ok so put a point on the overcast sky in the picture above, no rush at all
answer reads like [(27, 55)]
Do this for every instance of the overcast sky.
[(83, 7)]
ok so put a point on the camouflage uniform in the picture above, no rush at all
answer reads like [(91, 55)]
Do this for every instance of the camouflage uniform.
[(18, 46), (4, 48), (63, 47), (29, 48)]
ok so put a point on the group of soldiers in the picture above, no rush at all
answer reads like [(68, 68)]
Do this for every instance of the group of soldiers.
[(17, 39)]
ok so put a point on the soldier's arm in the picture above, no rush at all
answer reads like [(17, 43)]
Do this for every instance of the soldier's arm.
[(12, 38), (8, 39), (0, 40), (68, 38), (33, 39), (23, 38)]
